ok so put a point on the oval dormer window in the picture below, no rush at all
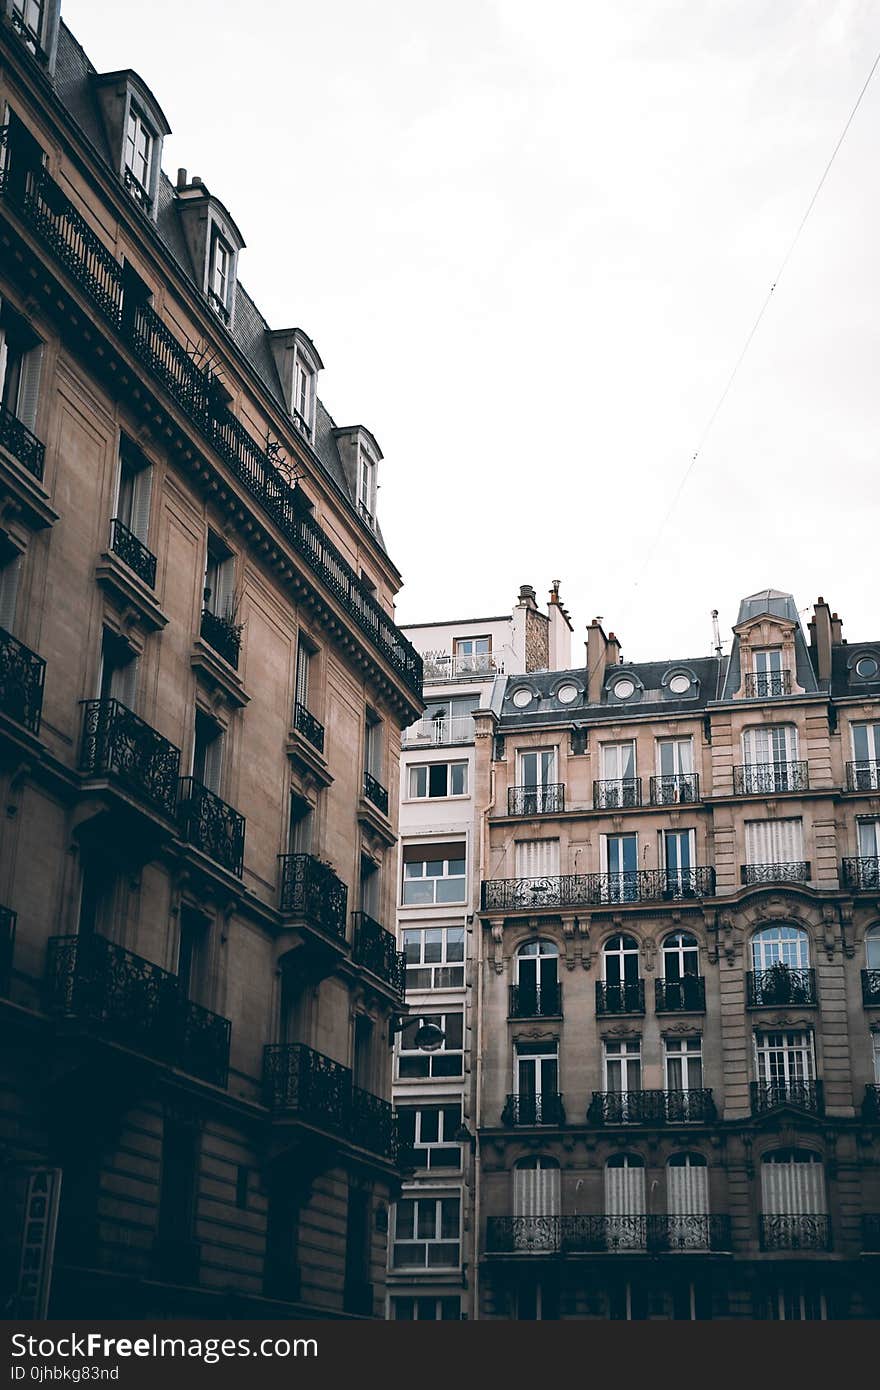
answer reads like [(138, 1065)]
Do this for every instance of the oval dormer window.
[(680, 685), (623, 689), (567, 694), (521, 698), (867, 667)]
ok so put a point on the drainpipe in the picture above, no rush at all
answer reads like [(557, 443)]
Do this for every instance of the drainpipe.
[(478, 1075)]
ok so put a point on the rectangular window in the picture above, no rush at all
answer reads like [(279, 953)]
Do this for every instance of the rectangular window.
[(218, 278), (784, 1058), (367, 487), (429, 1130), (675, 757), (623, 1066), (448, 1060), (434, 957), (117, 676), (303, 661), (192, 950), (797, 1305), (619, 761), (684, 1064), (134, 482), (138, 152), (433, 874), (219, 596), (373, 746), (774, 841), (426, 1308), (433, 780), (21, 362), (427, 1233), (302, 392), (207, 763), (865, 775), (869, 838), (537, 768), (302, 819), (10, 573), (536, 1081), (621, 861), (27, 18), (472, 656)]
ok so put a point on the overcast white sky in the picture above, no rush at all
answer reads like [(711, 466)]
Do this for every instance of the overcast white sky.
[(529, 241)]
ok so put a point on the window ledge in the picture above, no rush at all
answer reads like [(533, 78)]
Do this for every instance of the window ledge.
[(30, 499), (129, 591), (218, 675), (370, 816), (306, 757)]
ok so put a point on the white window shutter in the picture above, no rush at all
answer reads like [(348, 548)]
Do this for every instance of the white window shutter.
[(225, 588), (687, 1189), (9, 576), (29, 389), (537, 858), (793, 1188), (214, 763), (625, 1191), (140, 506)]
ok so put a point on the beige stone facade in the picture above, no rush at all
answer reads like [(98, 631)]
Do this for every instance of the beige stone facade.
[(201, 695)]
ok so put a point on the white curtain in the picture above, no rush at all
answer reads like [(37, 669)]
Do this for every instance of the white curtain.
[(625, 1190), (536, 1191), (687, 1189), (794, 1187), (774, 841), (537, 858)]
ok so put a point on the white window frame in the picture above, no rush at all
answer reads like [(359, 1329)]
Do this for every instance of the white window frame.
[(367, 471), (626, 1056), (220, 272), (140, 145), (780, 943), (796, 1052), (435, 967), (443, 1141), (421, 1300), (688, 1054), (425, 1200), (444, 877), (426, 769), (431, 1064)]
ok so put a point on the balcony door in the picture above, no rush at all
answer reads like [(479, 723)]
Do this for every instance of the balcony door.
[(687, 1201), (866, 755), (537, 772), (537, 1203), (537, 978), (869, 839), (678, 861), (767, 665), (684, 1077), (768, 753), (794, 1207), (784, 1065), (681, 970), (536, 1082), (623, 1080), (621, 863), (775, 841), (625, 1202)]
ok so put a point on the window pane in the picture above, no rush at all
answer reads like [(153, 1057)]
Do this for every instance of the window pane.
[(455, 943), (437, 779), (430, 1129), (459, 779), (449, 1218), (454, 1031), (433, 946), (405, 1220), (450, 890)]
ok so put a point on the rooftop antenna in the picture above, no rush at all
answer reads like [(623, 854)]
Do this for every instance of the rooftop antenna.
[(716, 634)]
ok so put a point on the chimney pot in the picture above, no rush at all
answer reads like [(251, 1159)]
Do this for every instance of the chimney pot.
[(181, 178)]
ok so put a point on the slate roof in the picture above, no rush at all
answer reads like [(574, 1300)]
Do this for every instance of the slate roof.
[(651, 697), (73, 81)]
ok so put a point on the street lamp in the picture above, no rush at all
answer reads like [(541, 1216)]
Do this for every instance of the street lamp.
[(428, 1038)]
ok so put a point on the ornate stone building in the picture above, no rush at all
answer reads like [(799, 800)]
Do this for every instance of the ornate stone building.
[(676, 995), (202, 688)]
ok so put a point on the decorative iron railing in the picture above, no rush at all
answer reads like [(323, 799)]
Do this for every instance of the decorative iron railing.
[(8, 920), (694, 1106), (119, 745), (38, 199), (582, 890), (766, 779), (441, 666), (763, 685), (871, 1232), (17, 439), (871, 987), (375, 792), (674, 789), (306, 724), (303, 1084), (546, 1109), (687, 995), (376, 949), (223, 635), (584, 1235), (610, 794), (137, 190), (536, 801), (535, 1001), (133, 552), (803, 1095), (210, 825), (780, 984), (795, 871), (436, 733), (803, 1231), (620, 997), (312, 890), (863, 776), (22, 674), (135, 1003), (862, 873)]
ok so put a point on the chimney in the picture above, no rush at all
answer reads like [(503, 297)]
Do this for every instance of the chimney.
[(181, 178), (597, 655), (837, 637), (560, 631), (527, 596), (820, 629), (613, 650)]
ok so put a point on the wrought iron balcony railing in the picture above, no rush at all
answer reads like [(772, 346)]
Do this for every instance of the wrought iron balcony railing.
[(584, 1235), (862, 874), (695, 1106), (780, 984), (436, 733), (871, 1232), (118, 745), (17, 439), (766, 779), (39, 201), (303, 1084), (133, 552), (440, 666), (803, 1095), (306, 724), (582, 890), (131, 1001), (209, 824), (8, 919), (536, 801), (625, 997), (687, 995), (376, 949), (610, 794), (223, 635), (795, 871), (675, 789), (546, 1109), (22, 674), (802, 1231), (310, 889), (871, 987), (375, 792), (535, 1001), (763, 685), (863, 776)]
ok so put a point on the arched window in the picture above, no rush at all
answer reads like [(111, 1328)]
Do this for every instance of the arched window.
[(780, 965), (620, 990), (687, 1202), (793, 1202), (625, 1222), (537, 990), (536, 1204), (681, 986)]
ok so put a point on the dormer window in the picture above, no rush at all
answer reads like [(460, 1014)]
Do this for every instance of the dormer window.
[(139, 141), (769, 677), (218, 280), (302, 395), (27, 18), (367, 488)]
